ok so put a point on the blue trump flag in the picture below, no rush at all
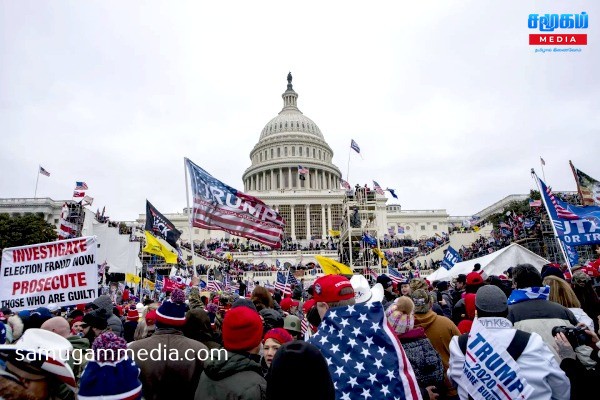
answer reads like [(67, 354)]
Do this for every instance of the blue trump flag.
[(572, 255), (364, 356), (574, 225), (450, 258)]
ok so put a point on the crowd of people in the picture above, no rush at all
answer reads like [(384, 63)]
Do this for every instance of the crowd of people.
[(267, 345)]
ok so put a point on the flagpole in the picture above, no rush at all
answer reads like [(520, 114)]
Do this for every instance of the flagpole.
[(187, 199), (36, 182), (542, 162), (560, 244), (347, 169), (577, 182)]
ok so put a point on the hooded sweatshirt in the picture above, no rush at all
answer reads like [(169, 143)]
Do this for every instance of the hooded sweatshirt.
[(114, 323)]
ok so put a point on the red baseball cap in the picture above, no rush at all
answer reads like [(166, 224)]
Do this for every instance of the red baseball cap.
[(308, 304), (333, 288), (288, 303), (474, 279)]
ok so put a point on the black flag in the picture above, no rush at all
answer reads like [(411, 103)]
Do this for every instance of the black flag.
[(160, 226)]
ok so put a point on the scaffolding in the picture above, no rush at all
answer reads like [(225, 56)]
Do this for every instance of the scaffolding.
[(74, 215), (359, 220)]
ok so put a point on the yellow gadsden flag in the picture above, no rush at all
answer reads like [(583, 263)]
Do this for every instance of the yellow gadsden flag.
[(332, 267), (384, 262), (334, 233), (131, 278), (149, 285), (153, 246)]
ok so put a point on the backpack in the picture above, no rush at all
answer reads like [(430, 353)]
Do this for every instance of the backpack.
[(426, 362)]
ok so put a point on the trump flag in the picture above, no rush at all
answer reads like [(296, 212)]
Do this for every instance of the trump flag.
[(219, 206)]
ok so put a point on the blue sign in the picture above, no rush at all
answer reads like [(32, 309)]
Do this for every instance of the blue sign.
[(450, 258), (550, 22)]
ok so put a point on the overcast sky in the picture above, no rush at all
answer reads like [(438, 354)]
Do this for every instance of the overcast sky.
[(448, 102)]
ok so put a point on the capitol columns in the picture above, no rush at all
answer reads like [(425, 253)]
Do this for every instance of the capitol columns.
[(272, 180), (323, 222), (308, 222), (281, 185), (329, 227), (264, 181), (293, 226), (290, 179)]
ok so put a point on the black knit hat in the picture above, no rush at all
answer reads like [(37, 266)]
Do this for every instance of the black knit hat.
[(96, 319), (295, 362)]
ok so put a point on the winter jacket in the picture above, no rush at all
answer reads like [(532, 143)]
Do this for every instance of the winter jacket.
[(129, 329), (581, 316), (439, 331), (80, 347), (233, 377), (537, 364), (540, 316), (164, 377), (583, 380)]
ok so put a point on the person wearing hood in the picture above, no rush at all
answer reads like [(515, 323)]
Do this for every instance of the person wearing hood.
[(197, 326), (114, 323), (438, 329), (271, 319), (160, 379), (238, 375)]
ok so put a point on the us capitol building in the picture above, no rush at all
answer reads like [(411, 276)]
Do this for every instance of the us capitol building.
[(311, 206)]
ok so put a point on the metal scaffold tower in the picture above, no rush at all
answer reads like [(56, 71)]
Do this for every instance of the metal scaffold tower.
[(358, 228)]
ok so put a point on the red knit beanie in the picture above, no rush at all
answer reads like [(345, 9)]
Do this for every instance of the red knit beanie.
[(242, 329), (280, 335)]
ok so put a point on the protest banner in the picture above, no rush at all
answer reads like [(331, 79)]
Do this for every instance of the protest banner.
[(64, 273)]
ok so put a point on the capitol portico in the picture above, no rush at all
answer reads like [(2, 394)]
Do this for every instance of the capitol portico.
[(310, 203)]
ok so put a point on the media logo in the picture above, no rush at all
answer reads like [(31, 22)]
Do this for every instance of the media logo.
[(566, 23)]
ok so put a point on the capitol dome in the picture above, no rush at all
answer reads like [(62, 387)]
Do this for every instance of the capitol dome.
[(291, 153)]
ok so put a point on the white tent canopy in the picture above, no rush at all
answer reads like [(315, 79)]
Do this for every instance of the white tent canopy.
[(493, 264)]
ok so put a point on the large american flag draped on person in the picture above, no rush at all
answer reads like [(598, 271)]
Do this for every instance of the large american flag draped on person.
[(219, 206), (365, 358)]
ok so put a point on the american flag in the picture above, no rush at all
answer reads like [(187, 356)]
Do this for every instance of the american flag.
[(378, 188), (304, 326), (219, 206), (213, 285), (282, 284), (395, 276), (66, 230), (78, 194), (417, 273), (371, 272), (44, 172), (302, 170), (345, 185), (292, 279), (81, 186), (364, 356), (561, 211)]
